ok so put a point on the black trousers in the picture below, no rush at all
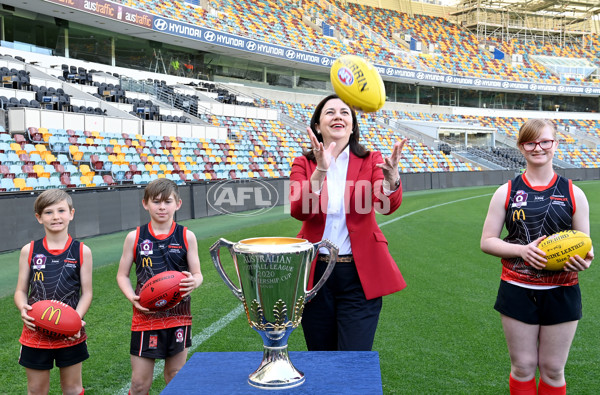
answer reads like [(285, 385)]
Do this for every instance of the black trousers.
[(339, 317)]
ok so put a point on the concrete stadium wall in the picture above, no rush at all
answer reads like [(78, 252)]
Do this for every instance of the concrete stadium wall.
[(101, 211)]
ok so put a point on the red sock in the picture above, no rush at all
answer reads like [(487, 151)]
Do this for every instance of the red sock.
[(522, 387), (547, 389), (82, 391)]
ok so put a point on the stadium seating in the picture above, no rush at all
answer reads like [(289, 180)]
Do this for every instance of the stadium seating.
[(449, 49), (273, 22), (47, 157)]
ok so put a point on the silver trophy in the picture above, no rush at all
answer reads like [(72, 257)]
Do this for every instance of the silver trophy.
[(273, 274)]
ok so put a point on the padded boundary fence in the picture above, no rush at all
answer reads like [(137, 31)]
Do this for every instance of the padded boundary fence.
[(107, 210)]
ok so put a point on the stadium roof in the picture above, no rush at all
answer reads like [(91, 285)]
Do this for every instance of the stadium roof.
[(574, 8), (560, 21), (578, 9)]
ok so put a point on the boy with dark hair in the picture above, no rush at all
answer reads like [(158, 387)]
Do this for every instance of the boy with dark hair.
[(60, 268), (156, 247)]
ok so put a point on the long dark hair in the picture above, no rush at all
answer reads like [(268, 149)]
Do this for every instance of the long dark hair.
[(355, 147)]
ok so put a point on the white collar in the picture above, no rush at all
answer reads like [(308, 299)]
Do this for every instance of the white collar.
[(345, 154)]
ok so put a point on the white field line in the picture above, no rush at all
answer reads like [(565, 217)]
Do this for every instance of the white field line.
[(220, 324), (429, 208)]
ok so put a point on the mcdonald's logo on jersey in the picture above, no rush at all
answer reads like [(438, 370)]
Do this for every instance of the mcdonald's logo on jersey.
[(147, 262), (38, 276), (52, 311), (517, 214)]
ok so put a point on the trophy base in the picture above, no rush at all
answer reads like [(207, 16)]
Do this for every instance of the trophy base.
[(276, 371)]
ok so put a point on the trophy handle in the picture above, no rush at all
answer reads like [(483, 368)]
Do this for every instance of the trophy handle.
[(333, 254), (215, 250)]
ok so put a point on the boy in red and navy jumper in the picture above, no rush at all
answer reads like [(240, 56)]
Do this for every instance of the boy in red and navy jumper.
[(159, 246), (60, 268)]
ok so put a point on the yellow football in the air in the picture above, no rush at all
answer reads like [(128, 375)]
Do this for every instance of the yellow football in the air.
[(357, 82), (560, 246)]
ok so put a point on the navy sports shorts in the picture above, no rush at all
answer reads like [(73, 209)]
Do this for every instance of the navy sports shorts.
[(161, 343), (539, 306), (44, 358)]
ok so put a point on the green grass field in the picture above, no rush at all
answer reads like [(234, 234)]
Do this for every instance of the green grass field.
[(438, 336)]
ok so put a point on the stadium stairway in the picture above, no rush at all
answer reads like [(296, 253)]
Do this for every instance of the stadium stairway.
[(487, 164)]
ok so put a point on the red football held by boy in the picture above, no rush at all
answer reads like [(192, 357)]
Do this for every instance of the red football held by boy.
[(55, 318), (161, 292)]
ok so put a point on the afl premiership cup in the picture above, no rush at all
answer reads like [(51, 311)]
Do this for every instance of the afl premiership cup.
[(273, 275)]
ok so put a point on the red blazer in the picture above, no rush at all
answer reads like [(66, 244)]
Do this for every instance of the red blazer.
[(379, 274)]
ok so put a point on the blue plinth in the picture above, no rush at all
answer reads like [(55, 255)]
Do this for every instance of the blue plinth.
[(332, 372)]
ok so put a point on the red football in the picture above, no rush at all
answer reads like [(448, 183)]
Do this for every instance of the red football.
[(55, 318), (161, 292)]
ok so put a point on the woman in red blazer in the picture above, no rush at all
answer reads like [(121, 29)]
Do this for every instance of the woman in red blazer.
[(335, 190)]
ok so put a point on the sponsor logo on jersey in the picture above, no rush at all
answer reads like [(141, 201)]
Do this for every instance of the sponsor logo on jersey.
[(38, 276), (147, 262), (39, 261), (520, 199), (175, 248), (146, 247), (559, 200), (518, 215)]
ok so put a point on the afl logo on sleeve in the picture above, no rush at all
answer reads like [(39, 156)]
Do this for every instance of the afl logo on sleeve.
[(39, 261), (520, 199), (146, 247)]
